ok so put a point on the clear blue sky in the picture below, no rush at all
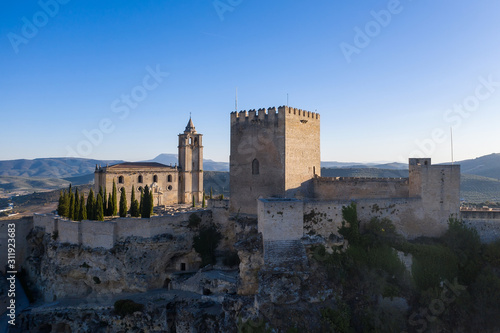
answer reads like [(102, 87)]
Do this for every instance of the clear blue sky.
[(65, 69)]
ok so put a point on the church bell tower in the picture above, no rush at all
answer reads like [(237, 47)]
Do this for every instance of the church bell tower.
[(190, 165)]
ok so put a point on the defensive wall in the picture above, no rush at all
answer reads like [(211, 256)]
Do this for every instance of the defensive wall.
[(105, 234), (326, 188), (22, 228), (486, 222), (278, 221)]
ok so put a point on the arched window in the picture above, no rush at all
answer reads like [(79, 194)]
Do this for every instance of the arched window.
[(120, 180), (255, 167), (190, 141), (155, 179), (140, 179), (169, 178)]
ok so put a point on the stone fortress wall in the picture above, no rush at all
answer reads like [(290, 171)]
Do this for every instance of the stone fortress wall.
[(276, 154), (105, 234)]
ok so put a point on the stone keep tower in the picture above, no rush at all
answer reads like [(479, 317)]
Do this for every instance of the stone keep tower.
[(190, 165), (273, 154)]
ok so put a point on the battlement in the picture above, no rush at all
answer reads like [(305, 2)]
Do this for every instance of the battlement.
[(271, 113), (369, 179)]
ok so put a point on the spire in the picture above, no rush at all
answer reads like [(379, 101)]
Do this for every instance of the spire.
[(190, 126)]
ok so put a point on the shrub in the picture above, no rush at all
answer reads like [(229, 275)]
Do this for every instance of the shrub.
[(125, 307), (194, 221), (338, 319), (466, 245), (351, 231), (432, 264), (205, 243)]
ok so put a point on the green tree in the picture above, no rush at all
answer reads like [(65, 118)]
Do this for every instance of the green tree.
[(114, 198), (350, 216), (194, 202), (109, 209), (71, 209), (140, 202), (203, 203), (205, 244), (123, 203), (211, 193), (99, 208), (82, 214), (63, 206), (105, 202), (76, 213), (90, 205), (134, 204), (151, 203), (146, 203)]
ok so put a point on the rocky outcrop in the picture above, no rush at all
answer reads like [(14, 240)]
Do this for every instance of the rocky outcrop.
[(134, 265), (163, 312), (250, 252)]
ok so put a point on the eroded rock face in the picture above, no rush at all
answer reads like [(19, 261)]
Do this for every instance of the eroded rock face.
[(135, 265), (250, 252), (165, 313)]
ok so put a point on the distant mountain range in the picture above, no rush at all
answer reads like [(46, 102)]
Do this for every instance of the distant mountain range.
[(480, 176)]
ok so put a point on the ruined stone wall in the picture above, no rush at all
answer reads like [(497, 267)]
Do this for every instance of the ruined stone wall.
[(302, 150), (105, 234), (220, 217), (488, 230), (69, 231), (407, 214), (22, 227), (345, 188), (280, 219), (257, 160), (98, 234)]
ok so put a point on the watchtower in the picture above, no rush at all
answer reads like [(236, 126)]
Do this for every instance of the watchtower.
[(190, 165), (273, 154)]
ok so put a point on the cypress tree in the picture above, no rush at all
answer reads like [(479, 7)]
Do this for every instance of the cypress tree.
[(123, 203), (140, 203), (146, 203), (76, 214), (71, 209), (211, 193), (151, 203), (134, 204), (82, 215), (203, 204), (90, 205), (114, 198), (105, 202), (194, 202), (99, 208), (62, 208), (109, 209)]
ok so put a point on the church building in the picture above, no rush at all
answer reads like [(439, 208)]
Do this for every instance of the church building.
[(170, 184)]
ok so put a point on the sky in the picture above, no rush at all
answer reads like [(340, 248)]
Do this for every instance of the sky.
[(119, 79)]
